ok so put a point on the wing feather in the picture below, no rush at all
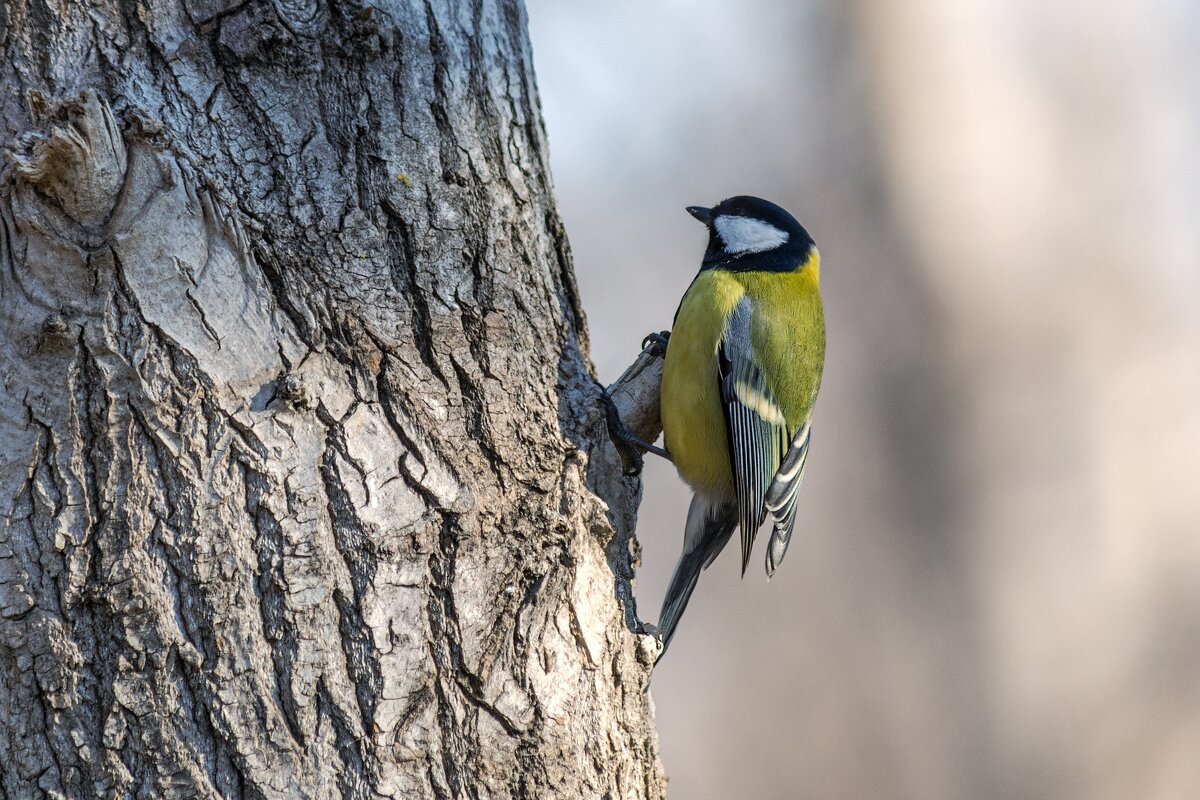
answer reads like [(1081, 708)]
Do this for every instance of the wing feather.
[(757, 429), (780, 500)]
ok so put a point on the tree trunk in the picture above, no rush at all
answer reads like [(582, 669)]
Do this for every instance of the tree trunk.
[(304, 489)]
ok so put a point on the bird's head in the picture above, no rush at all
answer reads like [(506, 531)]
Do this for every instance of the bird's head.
[(751, 234)]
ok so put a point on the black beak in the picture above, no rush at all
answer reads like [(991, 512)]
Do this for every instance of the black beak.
[(701, 213)]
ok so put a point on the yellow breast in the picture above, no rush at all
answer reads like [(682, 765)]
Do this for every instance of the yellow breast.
[(788, 332)]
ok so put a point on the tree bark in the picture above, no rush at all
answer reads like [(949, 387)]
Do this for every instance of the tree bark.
[(304, 489)]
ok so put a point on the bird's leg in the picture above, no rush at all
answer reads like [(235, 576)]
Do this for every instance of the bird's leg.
[(630, 445), (656, 344)]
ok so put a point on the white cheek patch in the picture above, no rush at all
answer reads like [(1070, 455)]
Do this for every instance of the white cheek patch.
[(748, 235)]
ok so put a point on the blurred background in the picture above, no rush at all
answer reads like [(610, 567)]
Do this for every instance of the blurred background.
[(994, 588)]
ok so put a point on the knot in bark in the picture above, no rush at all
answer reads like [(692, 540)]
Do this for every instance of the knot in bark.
[(78, 160)]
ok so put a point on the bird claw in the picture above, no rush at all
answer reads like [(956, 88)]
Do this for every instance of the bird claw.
[(656, 343), (650, 645)]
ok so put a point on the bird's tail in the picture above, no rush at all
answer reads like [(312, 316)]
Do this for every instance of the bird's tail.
[(708, 529)]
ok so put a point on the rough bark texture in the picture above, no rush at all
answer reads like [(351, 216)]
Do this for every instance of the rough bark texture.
[(303, 488)]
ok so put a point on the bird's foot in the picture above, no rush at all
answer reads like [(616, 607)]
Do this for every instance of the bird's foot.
[(630, 446), (656, 343)]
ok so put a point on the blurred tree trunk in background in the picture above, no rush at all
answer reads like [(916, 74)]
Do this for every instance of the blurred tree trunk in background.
[(1043, 161), (297, 416)]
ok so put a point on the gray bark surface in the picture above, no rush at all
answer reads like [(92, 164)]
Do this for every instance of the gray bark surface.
[(303, 488)]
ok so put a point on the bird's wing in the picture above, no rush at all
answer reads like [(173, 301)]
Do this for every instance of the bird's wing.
[(758, 436), (780, 500)]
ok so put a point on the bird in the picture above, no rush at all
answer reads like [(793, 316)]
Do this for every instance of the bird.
[(741, 373)]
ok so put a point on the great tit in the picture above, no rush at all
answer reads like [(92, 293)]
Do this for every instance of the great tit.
[(742, 368)]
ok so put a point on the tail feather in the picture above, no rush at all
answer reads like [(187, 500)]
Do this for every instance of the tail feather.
[(687, 573), (708, 529)]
